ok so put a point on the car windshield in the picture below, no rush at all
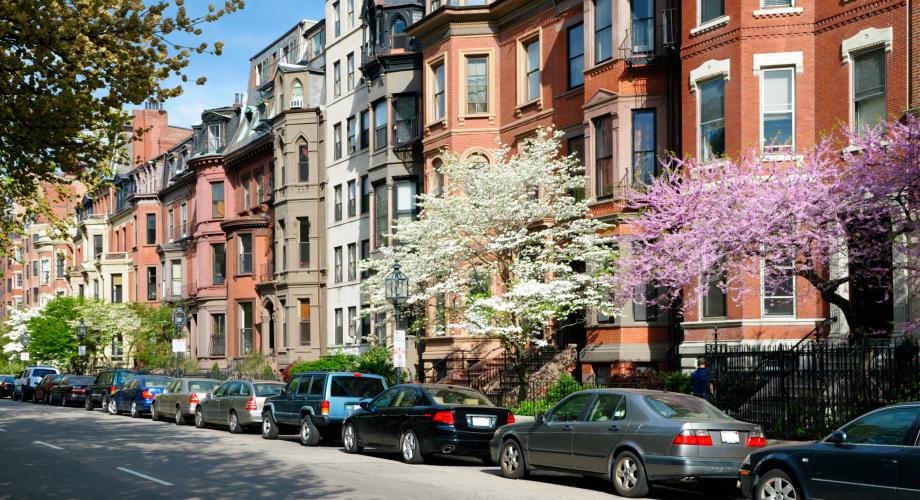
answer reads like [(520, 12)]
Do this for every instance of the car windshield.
[(356, 387), (268, 389), (156, 382), (9, 379), (683, 406), (201, 385), (80, 380), (41, 372), (457, 397)]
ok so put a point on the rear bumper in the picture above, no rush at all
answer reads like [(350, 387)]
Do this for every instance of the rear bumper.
[(330, 427), (449, 441), (664, 468), (250, 417)]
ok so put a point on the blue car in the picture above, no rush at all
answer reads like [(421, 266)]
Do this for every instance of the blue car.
[(136, 395)]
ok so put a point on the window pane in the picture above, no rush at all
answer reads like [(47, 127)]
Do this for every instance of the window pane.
[(382, 228), (869, 74), (644, 149), (576, 48), (439, 102), (217, 200), (477, 85), (714, 299), (603, 31), (712, 118), (711, 9), (569, 410), (220, 265), (603, 148), (533, 70), (889, 427)]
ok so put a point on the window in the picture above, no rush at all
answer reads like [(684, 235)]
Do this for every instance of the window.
[(183, 217), (869, 81), (644, 308), (95, 290), (576, 146), (603, 156), (603, 30), (116, 288), (260, 189), (317, 42), (365, 129), (531, 70), (280, 240), (303, 162), (352, 261), (337, 255), (714, 303), (380, 124), (60, 265), (176, 276), (643, 26), (35, 269), (437, 177), (339, 334), (337, 16), (891, 427), (440, 111), (365, 254), (711, 9), (97, 246), (214, 137), (304, 321), (352, 198), (337, 141), (337, 207), (776, 3), (365, 194), (352, 323), (477, 85), (217, 200), (570, 409), (643, 145), (218, 263), (151, 229), (118, 350), (246, 337), (381, 214), (297, 95), (779, 296), (405, 129), (712, 118), (246, 198), (351, 13), (18, 280), (352, 139), (576, 55), (245, 254), (152, 283), (777, 100), (350, 68), (336, 79), (303, 241), (404, 211)]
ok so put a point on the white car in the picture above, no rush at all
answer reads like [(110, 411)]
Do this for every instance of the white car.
[(30, 377)]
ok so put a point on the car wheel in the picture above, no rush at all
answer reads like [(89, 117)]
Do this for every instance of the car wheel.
[(135, 412), (776, 485), (233, 422), (64, 401), (88, 403), (179, 417), (113, 407), (629, 476), (511, 460), (199, 419), (269, 427), (410, 447), (34, 398), (350, 439), (309, 436), (154, 414)]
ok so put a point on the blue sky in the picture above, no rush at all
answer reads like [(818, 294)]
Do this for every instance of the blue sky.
[(244, 33)]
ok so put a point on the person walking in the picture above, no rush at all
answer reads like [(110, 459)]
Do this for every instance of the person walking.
[(701, 381)]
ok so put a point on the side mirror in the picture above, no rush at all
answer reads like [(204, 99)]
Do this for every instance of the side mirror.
[(284, 391), (539, 418), (209, 395), (837, 438), (366, 406)]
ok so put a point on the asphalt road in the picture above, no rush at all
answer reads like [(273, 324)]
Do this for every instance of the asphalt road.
[(53, 452)]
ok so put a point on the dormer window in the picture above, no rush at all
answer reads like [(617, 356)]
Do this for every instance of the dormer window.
[(214, 137), (297, 95), (399, 33)]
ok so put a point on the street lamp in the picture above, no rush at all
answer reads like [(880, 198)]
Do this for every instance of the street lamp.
[(178, 322), (81, 336), (24, 340), (396, 291)]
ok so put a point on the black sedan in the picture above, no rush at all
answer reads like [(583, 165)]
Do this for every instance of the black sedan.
[(7, 382), (418, 420), (71, 389), (876, 456)]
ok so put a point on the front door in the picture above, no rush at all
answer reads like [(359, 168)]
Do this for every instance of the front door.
[(551, 442), (597, 435), (370, 424), (226, 402), (282, 403), (211, 406)]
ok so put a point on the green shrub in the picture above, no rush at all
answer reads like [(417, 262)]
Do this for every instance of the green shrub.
[(215, 371), (377, 360)]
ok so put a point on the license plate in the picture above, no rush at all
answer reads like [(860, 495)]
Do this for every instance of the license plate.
[(481, 421), (730, 437)]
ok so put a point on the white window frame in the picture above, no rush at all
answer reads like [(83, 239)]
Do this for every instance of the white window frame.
[(491, 88), (866, 40), (713, 68), (523, 42), (763, 294), (712, 23), (763, 142), (431, 67)]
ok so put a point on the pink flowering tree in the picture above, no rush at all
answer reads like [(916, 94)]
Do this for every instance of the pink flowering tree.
[(844, 219)]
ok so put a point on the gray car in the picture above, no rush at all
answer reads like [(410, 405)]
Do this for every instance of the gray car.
[(181, 397), (236, 404), (629, 436)]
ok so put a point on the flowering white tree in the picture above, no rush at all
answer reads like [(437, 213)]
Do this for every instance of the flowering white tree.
[(506, 251), (18, 324)]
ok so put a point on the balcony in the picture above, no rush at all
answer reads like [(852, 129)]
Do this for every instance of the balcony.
[(647, 43), (174, 291), (405, 131), (266, 273), (297, 102), (116, 256), (179, 232), (218, 345)]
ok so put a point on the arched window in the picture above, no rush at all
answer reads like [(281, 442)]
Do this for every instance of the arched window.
[(297, 95), (398, 33), (478, 158), (399, 26), (437, 177), (303, 161)]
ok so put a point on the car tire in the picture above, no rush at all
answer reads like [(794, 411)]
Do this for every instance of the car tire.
[(135, 412), (199, 419), (179, 418), (64, 401), (309, 435), (269, 427), (511, 460), (88, 403), (629, 477), (34, 398), (112, 407), (350, 439), (154, 414), (775, 482), (410, 448), (233, 423)]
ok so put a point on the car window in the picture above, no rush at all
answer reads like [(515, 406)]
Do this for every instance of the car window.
[(293, 385), (222, 389), (385, 400), (607, 407), (457, 397), (355, 387), (264, 390), (156, 382), (41, 372), (570, 409), (244, 389), (81, 380), (890, 427), (201, 385), (682, 406), (407, 398), (304, 385), (318, 385), (234, 389)]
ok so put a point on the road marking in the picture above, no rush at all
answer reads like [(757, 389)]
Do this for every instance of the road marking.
[(138, 474), (48, 445)]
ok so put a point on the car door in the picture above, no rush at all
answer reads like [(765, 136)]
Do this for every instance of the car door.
[(550, 443), (370, 422), (227, 400), (866, 464), (210, 407), (599, 432), (908, 466), (392, 418), (299, 399), (282, 402)]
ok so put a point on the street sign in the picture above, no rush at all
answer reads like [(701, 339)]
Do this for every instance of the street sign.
[(23, 356), (399, 349), (82, 350), (178, 345)]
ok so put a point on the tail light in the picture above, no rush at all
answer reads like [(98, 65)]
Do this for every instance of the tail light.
[(79, 390), (510, 418), (324, 408), (251, 404), (147, 394), (756, 439), (445, 417), (112, 390), (698, 437), (193, 399)]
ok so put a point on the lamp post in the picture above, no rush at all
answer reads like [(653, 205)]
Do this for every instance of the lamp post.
[(24, 340), (178, 322), (81, 336), (397, 291)]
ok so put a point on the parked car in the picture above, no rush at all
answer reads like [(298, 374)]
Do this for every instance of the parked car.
[(71, 389), (236, 403), (875, 456), (630, 436), (25, 384), (7, 382), (107, 382), (136, 394), (314, 404), (180, 398), (41, 393), (421, 419)]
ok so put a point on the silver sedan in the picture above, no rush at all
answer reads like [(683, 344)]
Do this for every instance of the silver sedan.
[(180, 398), (236, 404), (629, 436)]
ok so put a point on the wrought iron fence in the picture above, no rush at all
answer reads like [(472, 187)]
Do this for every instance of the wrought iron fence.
[(218, 345)]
